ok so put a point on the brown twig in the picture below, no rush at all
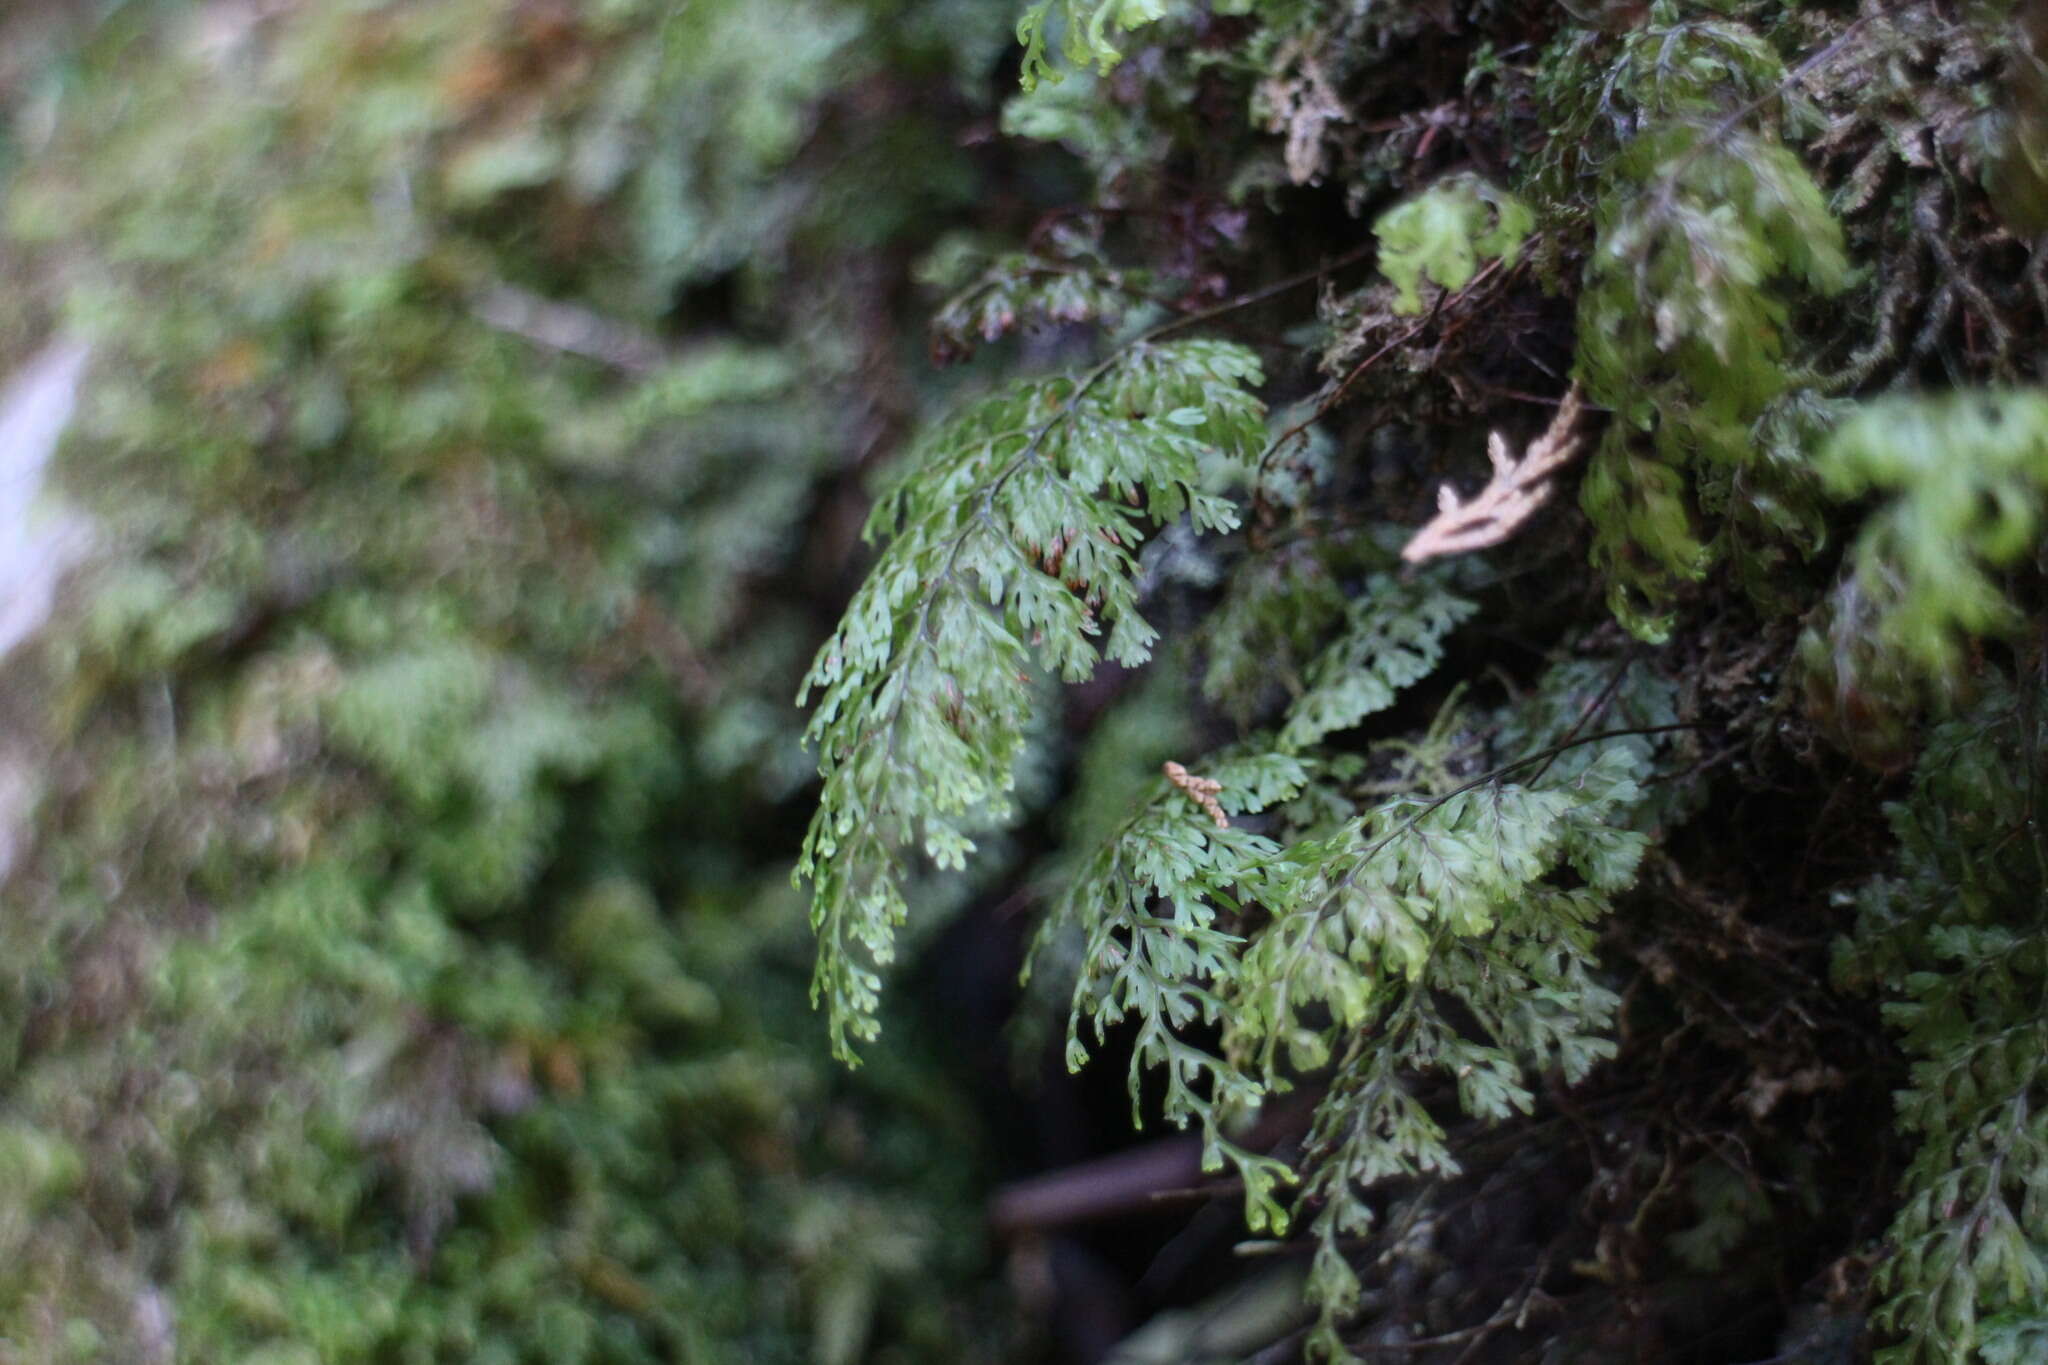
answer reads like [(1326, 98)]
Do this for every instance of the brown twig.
[(1357, 372), (569, 329)]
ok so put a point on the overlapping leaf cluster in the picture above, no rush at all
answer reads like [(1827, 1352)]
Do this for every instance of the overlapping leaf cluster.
[(1389, 927), (1425, 935), (1444, 232), (1706, 226), (1391, 638), (1153, 903), (1421, 902), (1068, 280), (1089, 30), (1239, 961), (1378, 917), (1956, 935)]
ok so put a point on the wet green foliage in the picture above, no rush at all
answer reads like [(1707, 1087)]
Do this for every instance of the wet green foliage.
[(1965, 475), (1732, 224), (1010, 548), (1702, 225), (399, 959), (1443, 233), (1957, 925)]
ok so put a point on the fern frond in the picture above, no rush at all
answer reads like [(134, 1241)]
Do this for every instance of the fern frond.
[(1958, 934), (1392, 638), (1023, 292), (1011, 545), (1410, 905), (1441, 234), (1153, 903), (1966, 475), (1086, 40), (1068, 278), (1359, 915), (1369, 1128)]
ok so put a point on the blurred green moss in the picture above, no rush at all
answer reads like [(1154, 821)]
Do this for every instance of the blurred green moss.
[(401, 968)]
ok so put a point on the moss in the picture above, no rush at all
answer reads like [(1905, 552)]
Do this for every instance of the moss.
[(383, 982)]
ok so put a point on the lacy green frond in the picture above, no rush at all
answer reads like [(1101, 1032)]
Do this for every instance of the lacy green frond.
[(1623, 694), (1393, 638), (1370, 1128), (1153, 904), (1956, 937), (1359, 916), (2014, 1338), (1420, 902), (1531, 988), (1087, 27), (1964, 475), (1011, 546), (1690, 66), (1023, 291)]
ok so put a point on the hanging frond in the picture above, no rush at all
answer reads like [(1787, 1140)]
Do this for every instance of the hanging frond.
[(1153, 903), (1392, 638), (1708, 226), (1422, 901), (1011, 545)]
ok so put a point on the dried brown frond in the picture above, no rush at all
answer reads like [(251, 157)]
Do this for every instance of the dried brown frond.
[(1202, 790), (1301, 103), (1511, 496)]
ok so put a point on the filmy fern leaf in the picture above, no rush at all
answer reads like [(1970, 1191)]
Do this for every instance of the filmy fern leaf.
[(1412, 904), (1957, 935), (1087, 40), (1152, 904), (1966, 474), (1363, 911), (1441, 234), (1393, 637), (1011, 545)]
